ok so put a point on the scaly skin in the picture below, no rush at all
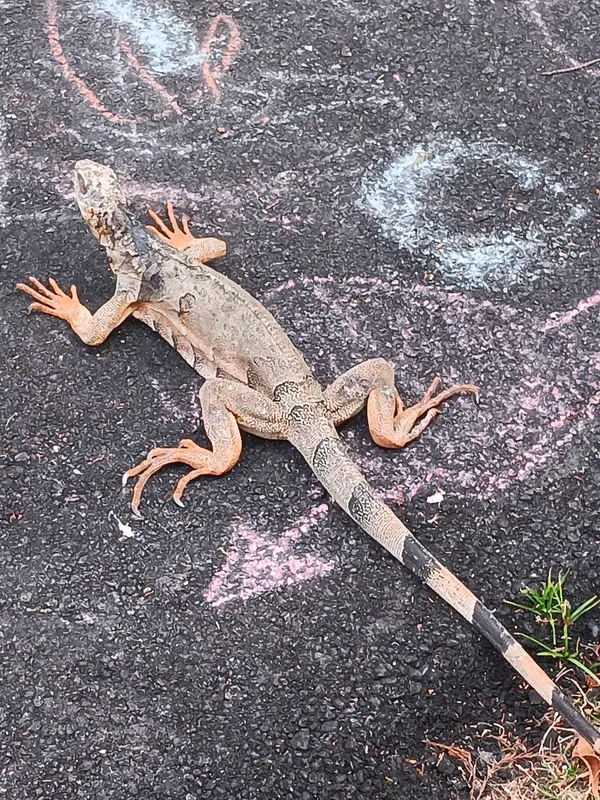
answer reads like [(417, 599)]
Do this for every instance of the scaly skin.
[(256, 380)]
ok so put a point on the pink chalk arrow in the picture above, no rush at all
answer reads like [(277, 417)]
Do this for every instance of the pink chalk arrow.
[(258, 563)]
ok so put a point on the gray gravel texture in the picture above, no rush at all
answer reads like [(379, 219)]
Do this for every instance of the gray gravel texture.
[(394, 179)]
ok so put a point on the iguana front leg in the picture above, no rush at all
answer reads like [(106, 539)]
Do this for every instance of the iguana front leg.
[(91, 328), (199, 251), (390, 424), (226, 405)]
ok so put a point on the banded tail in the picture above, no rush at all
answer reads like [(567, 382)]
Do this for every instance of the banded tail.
[(327, 457)]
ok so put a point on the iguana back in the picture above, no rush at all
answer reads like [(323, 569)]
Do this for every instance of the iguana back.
[(218, 327)]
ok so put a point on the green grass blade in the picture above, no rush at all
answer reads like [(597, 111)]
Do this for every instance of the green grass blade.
[(586, 606)]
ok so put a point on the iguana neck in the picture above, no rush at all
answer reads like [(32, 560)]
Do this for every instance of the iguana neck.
[(126, 244)]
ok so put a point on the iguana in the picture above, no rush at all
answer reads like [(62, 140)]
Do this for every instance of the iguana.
[(257, 381)]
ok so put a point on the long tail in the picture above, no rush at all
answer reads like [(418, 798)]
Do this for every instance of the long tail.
[(332, 465)]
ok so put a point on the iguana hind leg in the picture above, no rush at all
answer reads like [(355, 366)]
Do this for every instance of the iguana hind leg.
[(181, 238), (224, 404), (390, 424)]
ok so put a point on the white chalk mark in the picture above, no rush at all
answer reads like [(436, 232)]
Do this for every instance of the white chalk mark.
[(409, 200), (155, 195), (118, 60), (436, 498), (489, 260), (557, 188), (41, 215), (258, 563), (169, 43), (576, 214)]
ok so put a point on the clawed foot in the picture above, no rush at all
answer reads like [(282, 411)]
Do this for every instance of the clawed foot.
[(409, 423), (430, 398), (179, 237), (392, 425), (54, 302), (188, 452)]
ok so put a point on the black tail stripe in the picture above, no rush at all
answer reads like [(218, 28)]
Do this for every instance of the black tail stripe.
[(574, 718), (326, 458), (418, 559), (362, 504), (325, 452), (487, 624)]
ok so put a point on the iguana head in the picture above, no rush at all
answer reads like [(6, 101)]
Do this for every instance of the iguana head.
[(101, 201)]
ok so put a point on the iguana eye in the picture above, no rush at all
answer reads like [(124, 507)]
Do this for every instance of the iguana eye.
[(82, 185)]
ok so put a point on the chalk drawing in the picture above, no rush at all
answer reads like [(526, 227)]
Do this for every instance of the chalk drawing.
[(410, 201), (4, 175), (539, 404), (568, 316), (536, 11), (170, 102), (258, 563), (169, 44), (576, 214), (215, 66), (230, 198), (94, 102), (156, 31), (551, 402), (8, 218)]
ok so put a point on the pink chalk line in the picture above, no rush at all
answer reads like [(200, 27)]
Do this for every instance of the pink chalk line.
[(393, 285), (552, 436), (533, 7), (558, 322), (256, 563), (320, 279), (541, 452), (486, 484), (565, 318)]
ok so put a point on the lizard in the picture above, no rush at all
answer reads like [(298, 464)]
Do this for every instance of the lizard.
[(255, 380)]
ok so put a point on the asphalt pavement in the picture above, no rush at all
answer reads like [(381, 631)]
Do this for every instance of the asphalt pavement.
[(396, 179)]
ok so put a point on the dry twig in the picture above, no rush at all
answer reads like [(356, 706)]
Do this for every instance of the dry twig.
[(574, 68)]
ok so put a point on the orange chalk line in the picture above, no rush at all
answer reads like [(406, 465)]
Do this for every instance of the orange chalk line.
[(85, 91), (68, 71), (212, 75), (158, 87)]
